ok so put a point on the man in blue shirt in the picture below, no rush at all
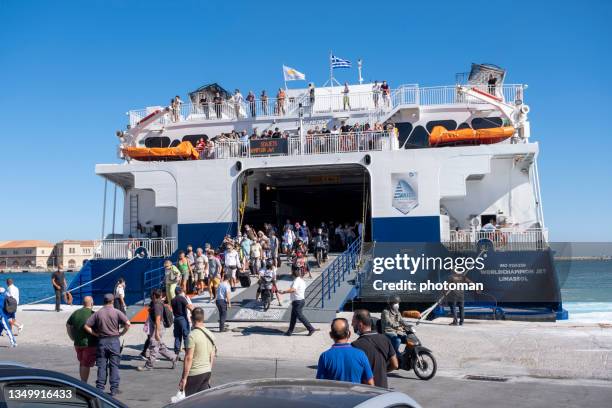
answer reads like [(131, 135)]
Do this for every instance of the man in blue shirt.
[(4, 321), (343, 362)]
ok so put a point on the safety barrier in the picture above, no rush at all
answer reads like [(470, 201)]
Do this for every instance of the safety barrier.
[(125, 248), (336, 273), (503, 239)]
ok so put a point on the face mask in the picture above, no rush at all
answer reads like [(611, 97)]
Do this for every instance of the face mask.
[(395, 307)]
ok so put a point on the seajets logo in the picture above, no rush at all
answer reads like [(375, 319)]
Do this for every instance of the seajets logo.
[(405, 193)]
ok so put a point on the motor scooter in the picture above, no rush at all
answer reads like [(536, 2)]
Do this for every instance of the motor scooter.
[(415, 356), (265, 290)]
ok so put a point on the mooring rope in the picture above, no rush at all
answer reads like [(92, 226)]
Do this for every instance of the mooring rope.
[(85, 284)]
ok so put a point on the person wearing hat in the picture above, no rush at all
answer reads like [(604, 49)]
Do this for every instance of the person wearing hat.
[(108, 324)]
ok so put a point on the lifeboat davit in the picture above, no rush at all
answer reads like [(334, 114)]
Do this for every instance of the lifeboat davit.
[(441, 136), (184, 151)]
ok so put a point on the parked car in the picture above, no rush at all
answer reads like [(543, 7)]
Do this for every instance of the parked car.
[(296, 393), (25, 387)]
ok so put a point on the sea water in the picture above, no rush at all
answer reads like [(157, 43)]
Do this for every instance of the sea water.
[(586, 288)]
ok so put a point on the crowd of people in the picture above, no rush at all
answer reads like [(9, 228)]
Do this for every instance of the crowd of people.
[(238, 106), (96, 338), (214, 271), (343, 138)]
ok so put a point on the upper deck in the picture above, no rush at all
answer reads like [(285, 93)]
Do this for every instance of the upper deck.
[(328, 101)]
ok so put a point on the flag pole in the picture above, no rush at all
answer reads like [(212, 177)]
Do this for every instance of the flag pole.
[(284, 77), (331, 70)]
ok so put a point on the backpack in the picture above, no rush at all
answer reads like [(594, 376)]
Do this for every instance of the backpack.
[(168, 317), (10, 304)]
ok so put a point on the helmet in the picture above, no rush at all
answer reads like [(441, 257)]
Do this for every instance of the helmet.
[(269, 264), (394, 299)]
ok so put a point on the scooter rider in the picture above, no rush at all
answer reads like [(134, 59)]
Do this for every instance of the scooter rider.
[(392, 325), (269, 272), (321, 241)]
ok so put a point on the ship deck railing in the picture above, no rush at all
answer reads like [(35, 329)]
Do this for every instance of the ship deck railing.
[(127, 248), (410, 95), (502, 239), (310, 144)]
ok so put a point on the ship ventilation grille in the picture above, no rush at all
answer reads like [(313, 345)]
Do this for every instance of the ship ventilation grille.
[(486, 378)]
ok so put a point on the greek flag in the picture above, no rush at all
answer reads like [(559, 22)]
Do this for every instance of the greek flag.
[(339, 62)]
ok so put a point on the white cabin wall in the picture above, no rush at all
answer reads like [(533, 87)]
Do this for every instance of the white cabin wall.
[(506, 188), (147, 211)]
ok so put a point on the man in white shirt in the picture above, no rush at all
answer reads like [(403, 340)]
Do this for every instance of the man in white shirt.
[(232, 263), (489, 227), (297, 291), (13, 291)]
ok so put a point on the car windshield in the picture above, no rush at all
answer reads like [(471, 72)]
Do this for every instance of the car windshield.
[(294, 395)]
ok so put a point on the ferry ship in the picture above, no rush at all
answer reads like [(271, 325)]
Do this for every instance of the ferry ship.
[(432, 167)]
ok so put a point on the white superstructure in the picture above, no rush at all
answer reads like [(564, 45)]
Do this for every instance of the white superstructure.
[(411, 191)]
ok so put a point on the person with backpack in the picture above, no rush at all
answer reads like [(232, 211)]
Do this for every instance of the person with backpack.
[(200, 351), (13, 292), (4, 321), (160, 317)]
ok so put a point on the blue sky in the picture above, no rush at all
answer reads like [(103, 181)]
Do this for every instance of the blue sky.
[(70, 70)]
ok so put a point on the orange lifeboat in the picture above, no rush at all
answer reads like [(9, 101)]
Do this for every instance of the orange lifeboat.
[(184, 151), (441, 136)]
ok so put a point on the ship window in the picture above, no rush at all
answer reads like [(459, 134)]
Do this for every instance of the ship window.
[(175, 143), (157, 141), (464, 126), (486, 123), (418, 138), (448, 124), (194, 139), (403, 130)]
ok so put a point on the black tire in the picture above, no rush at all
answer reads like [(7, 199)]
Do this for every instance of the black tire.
[(266, 305), (425, 366)]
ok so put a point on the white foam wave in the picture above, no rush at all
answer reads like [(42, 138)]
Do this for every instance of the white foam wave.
[(589, 312)]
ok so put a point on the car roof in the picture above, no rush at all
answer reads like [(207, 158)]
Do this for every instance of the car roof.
[(15, 371), (297, 393)]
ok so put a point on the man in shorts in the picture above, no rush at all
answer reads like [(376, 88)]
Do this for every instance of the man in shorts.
[(201, 271), (84, 344), (232, 263), (214, 273)]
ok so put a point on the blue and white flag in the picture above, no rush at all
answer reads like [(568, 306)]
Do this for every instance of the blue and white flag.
[(339, 62)]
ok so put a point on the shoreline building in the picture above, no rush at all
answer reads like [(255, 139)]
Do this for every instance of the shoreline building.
[(25, 255), (72, 254)]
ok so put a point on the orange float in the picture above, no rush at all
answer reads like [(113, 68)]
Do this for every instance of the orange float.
[(441, 136), (184, 151)]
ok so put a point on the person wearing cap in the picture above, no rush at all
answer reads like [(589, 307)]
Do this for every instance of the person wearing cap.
[(108, 324), (4, 321)]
